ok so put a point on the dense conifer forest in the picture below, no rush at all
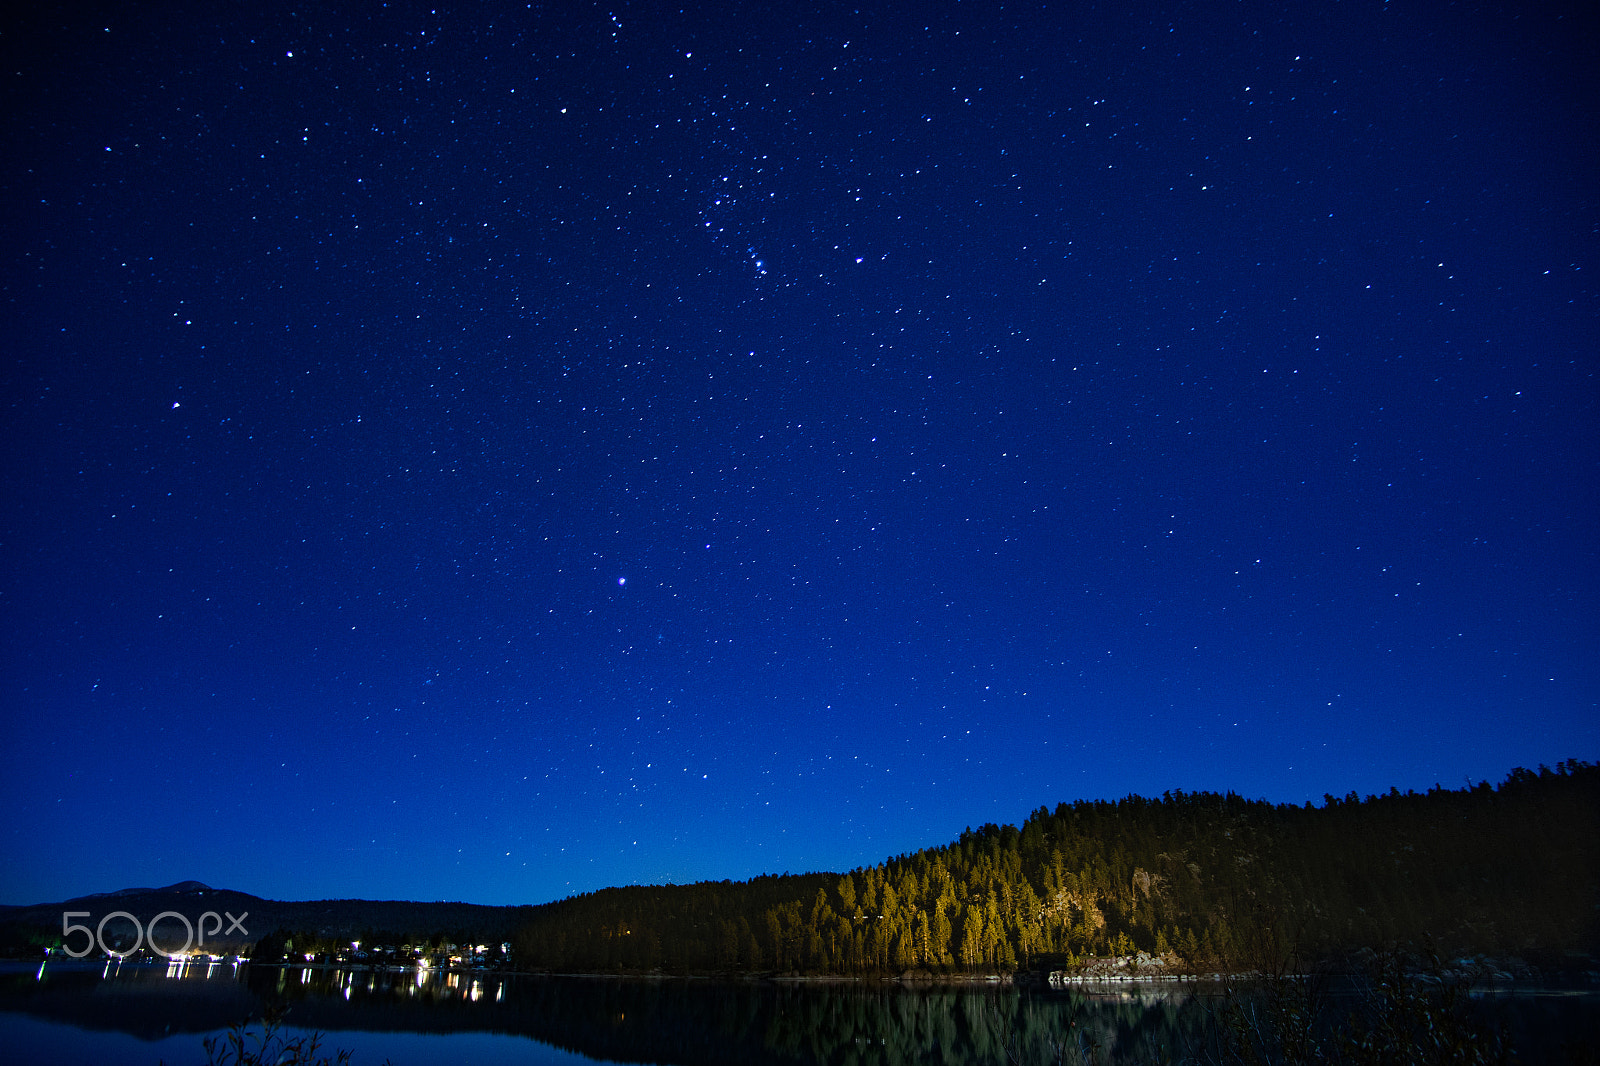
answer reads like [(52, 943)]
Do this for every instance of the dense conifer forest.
[(1208, 881)]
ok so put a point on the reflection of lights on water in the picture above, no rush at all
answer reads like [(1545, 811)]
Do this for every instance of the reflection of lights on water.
[(429, 982)]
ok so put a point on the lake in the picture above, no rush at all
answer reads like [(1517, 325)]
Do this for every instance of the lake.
[(74, 1012)]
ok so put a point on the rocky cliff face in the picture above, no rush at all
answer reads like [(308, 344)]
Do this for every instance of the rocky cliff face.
[(1138, 966)]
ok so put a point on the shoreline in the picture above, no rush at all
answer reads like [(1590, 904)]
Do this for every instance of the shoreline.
[(1577, 973)]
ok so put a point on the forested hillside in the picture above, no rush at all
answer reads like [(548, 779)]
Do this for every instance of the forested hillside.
[(1216, 881)]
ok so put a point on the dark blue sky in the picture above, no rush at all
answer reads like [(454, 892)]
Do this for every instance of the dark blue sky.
[(496, 452)]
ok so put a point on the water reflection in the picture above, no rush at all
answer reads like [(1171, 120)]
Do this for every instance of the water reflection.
[(420, 984), (190, 966), (672, 1021)]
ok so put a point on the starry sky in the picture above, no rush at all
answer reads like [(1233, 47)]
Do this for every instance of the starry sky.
[(494, 452)]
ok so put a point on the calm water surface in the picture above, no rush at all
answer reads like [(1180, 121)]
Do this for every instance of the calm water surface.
[(75, 1013)]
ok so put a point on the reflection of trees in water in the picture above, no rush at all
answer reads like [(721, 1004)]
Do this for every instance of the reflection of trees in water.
[(1075, 1027), (708, 1022), (693, 1022), (891, 1026)]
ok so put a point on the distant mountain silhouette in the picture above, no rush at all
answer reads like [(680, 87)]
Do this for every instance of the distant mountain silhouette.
[(373, 921), (181, 886)]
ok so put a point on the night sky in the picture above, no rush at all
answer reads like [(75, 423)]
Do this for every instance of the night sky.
[(498, 452)]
